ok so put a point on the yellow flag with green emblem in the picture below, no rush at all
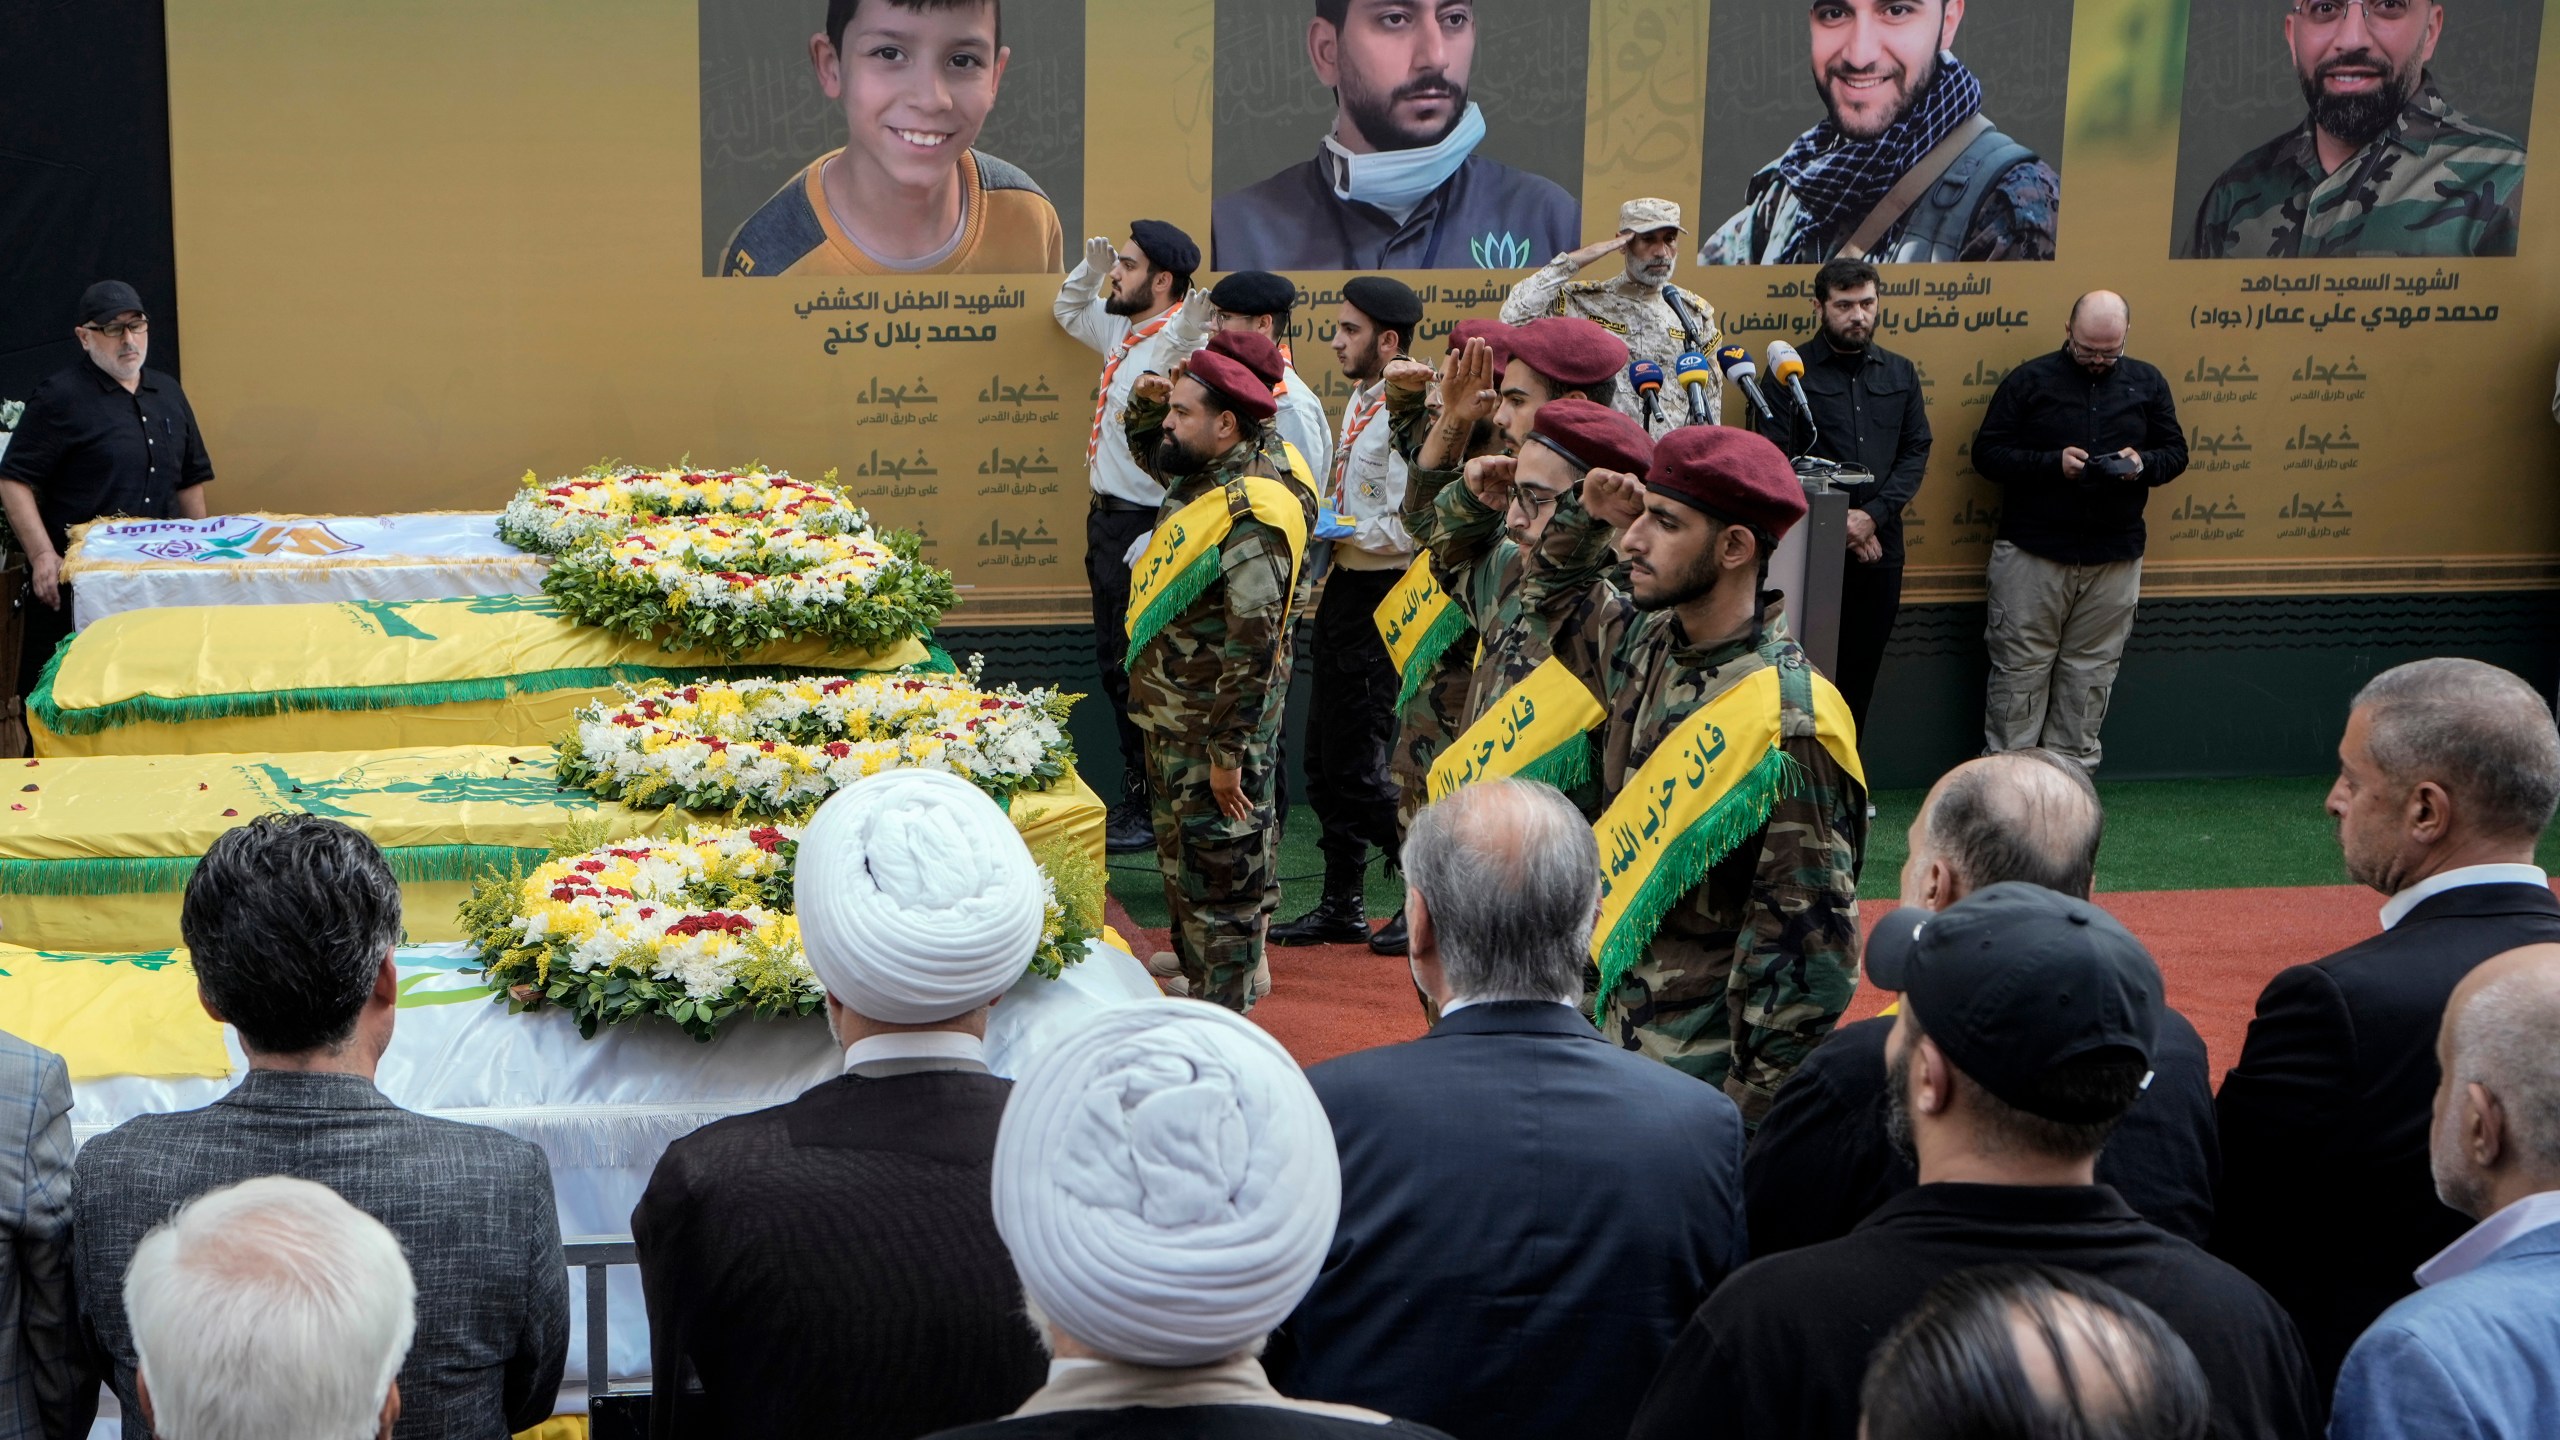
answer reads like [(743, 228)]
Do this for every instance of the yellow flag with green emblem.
[(1709, 786), (1419, 621), (1537, 731), (1182, 557)]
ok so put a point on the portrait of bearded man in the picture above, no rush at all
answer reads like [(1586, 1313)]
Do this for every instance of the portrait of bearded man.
[(2381, 165), (1904, 166)]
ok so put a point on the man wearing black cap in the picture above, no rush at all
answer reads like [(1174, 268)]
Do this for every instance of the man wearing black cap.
[(1121, 301), (103, 436), (1263, 303), (2027, 1029), (1732, 946), (1352, 716), (1208, 626)]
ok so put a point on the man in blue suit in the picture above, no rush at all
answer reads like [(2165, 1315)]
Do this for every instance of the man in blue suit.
[(1529, 1213), (2477, 1351)]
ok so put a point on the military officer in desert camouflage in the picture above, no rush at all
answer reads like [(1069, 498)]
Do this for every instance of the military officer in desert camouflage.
[(1755, 955), (2383, 164), (1209, 613), (1639, 305)]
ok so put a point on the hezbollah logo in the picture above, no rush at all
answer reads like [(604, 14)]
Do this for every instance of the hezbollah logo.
[(310, 539)]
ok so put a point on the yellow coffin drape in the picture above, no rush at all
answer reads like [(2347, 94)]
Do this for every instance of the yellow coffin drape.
[(361, 675)]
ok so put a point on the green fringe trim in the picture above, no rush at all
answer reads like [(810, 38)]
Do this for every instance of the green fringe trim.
[(143, 709), (154, 874), (1567, 767), (1732, 820), (1175, 598), (1446, 628)]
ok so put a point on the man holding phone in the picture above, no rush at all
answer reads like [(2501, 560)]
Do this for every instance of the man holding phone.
[(2076, 440)]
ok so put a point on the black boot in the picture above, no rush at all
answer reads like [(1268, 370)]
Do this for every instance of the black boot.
[(1129, 827), (1340, 918), (1391, 938)]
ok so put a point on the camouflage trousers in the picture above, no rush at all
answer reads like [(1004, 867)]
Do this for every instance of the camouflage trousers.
[(1677, 1005), (1424, 728), (1219, 884)]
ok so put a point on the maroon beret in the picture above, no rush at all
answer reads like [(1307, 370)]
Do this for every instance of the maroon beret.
[(1244, 391), (1733, 475), (1253, 350), (1569, 350), (1593, 436), (1492, 332)]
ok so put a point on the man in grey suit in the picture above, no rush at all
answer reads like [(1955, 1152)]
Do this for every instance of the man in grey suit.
[(47, 1391), (291, 920)]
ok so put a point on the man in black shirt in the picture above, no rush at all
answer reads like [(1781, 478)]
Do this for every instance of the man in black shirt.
[(100, 437), (1823, 1161), (2076, 440), (2029, 1022), (1866, 403)]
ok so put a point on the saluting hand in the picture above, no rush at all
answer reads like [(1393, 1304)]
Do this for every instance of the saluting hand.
[(1583, 257), (1614, 498), (1151, 389), (1099, 252), (1409, 375), (1489, 478), (1467, 391)]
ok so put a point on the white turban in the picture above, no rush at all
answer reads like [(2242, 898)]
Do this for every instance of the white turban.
[(918, 900), (1166, 1181)]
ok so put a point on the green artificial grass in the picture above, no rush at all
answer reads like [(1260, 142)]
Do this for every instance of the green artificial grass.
[(2161, 835)]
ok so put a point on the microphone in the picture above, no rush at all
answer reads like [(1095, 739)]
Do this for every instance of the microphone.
[(1646, 376), (1787, 367), (1691, 371), (1736, 364)]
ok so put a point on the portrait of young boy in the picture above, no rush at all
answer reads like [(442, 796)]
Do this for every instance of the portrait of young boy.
[(907, 194)]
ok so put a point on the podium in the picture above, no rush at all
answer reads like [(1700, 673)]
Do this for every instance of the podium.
[(1809, 563)]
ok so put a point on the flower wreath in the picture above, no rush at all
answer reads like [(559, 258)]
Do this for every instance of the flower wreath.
[(698, 930), (605, 500), (760, 748), (709, 586)]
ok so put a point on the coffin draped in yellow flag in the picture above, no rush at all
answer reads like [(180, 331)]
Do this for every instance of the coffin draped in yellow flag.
[(1182, 557), (1536, 731), (1705, 789), (365, 675), (1419, 621)]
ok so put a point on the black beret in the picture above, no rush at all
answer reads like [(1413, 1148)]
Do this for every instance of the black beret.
[(1165, 246), (1391, 303), (1254, 292)]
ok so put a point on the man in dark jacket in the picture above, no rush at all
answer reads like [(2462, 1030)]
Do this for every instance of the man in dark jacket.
[(2076, 440), (2447, 775), (1397, 183), (1823, 1161), (1529, 1213), (1867, 407), (831, 1266), (2005, 1097)]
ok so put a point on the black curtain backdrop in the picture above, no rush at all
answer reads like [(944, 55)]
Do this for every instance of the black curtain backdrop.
[(84, 177)]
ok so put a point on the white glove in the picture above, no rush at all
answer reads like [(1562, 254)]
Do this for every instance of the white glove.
[(1099, 252), (1197, 313), (1137, 548)]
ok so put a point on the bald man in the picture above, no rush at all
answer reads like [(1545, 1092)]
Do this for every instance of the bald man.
[(1822, 1161), (2476, 1352), (2076, 440)]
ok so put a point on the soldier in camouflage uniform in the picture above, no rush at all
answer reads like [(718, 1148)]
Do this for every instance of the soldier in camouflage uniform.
[(1753, 966), (1640, 306), (2429, 181), (1200, 690)]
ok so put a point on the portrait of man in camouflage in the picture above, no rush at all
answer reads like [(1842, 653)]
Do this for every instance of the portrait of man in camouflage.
[(1904, 166), (2382, 165)]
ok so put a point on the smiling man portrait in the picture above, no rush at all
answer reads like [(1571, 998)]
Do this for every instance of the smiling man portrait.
[(1399, 181), (907, 193), (1904, 166), (2382, 165)]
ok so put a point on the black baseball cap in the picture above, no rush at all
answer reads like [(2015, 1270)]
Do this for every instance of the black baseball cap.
[(106, 300), (2015, 981)]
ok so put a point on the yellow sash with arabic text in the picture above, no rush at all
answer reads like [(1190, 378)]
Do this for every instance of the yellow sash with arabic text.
[(1707, 788), (1534, 732), (1182, 557), (1419, 621)]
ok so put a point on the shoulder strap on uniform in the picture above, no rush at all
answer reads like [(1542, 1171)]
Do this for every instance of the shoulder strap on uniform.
[(1915, 182), (1943, 216), (1239, 504)]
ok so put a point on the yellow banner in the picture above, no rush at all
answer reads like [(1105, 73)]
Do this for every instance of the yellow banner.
[(1412, 610), (1181, 558), (111, 1014), (1535, 732)]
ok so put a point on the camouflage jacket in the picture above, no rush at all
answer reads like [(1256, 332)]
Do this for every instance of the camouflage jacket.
[(1487, 574), (1206, 679), (1635, 313), (1780, 911), (2015, 220), (2435, 183)]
